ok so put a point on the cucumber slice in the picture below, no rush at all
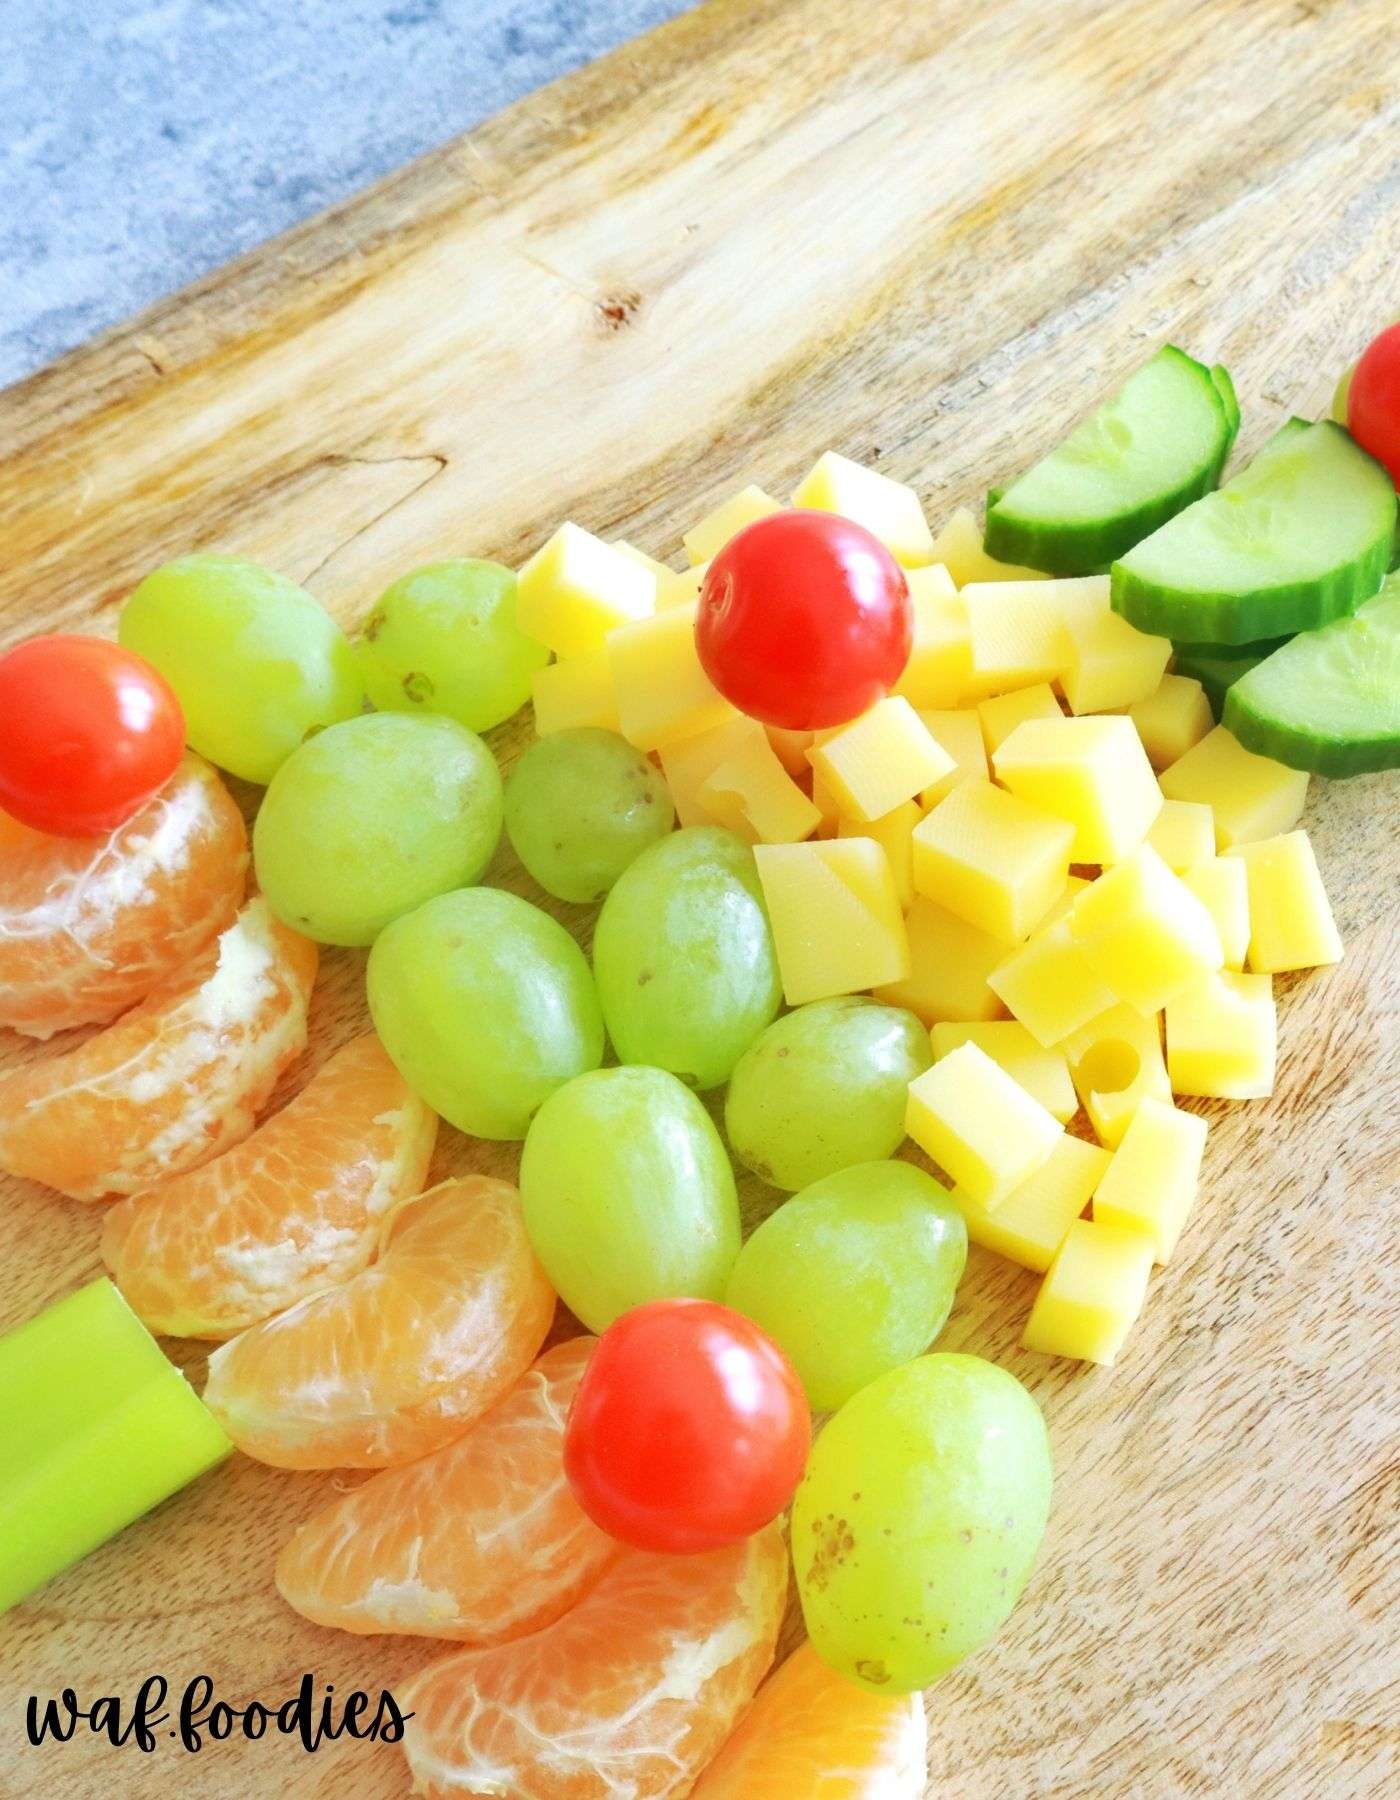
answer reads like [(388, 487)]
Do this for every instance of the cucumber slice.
[(1328, 700), (1152, 449), (1299, 538), (1219, 666), (1225, 387)]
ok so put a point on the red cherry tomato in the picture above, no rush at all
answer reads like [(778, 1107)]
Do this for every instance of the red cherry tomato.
[(689, 1429), (1373, 405), (804, 620), (88, 732)]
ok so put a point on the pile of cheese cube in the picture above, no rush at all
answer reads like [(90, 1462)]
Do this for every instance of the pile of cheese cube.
[(1040, 843)]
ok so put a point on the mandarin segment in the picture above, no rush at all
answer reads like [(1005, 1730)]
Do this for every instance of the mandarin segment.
[(89, 927), (176, 1081), (403, 1357), (629, 1694), (292, 1210), (481, 1541)]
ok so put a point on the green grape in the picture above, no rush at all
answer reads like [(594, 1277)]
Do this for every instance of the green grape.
[(257, 664), (485, 1005), (853, 1276), (372, 818), (684, 956), (580, 807), (916, 1524), (822, 1088), (628, 1194), (443, 639)]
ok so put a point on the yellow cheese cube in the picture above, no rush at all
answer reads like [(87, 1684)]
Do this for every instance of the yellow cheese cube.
[(1018, 636), (790, 748), (688, 763), (1032, 1222), (575, 693), (825, 802), (894, 833), (1093, 1293), (837, 927), (960, 734), (728, 519), (949, 964), (1042, 1072), (1111, 663), (1152, 1181), (576, 588), (940, 656), (1004, 712), (1183, 834), (1172, 718), (660, 570), (1252, 796), (1144, 932), (879, 760), (754, 796), (680, 588), (1290, 921), (663, 694), (888, 509), (1093, 772), (992, 858), (1220, 885), (1222, 1037), (959, 547), (1048, 985), (1115, 1062), (981, 1127)]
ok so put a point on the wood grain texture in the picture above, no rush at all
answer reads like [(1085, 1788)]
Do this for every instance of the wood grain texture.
[(930, 235)]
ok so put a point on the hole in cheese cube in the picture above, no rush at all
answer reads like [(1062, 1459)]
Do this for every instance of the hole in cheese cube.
[(1220, 884), (887, 509), (689, 762), (1290, 920), (960, 734), (663, 693), (879, 760), (1092, 1295), (1222, 1037), (575, 693), (1000, 715), (949, 962), (894, 833), (1093, 772), (1042, 1072), (1143, 931), (727, 520), (1251, 796), (1048, 984), (1029, 1226), (1183, 834), (1150, 1186), (575, 589), (1110, 663), (959, 548), (837, 925), (981, 1127), (1172, 718), (1115, 1062), (1017, 629), (939, 668), (992, 858), (752, 794)]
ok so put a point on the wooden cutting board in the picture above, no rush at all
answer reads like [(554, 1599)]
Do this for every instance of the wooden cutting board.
[(930, 235)]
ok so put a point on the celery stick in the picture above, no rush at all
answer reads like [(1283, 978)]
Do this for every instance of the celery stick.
[(96, 1427)]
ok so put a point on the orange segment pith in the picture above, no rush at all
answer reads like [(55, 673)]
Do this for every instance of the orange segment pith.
[(812, 1735), (90, 926), (404, 1356), (481, 1541), (176, 1080), (293, 1209), (630, 1694)]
